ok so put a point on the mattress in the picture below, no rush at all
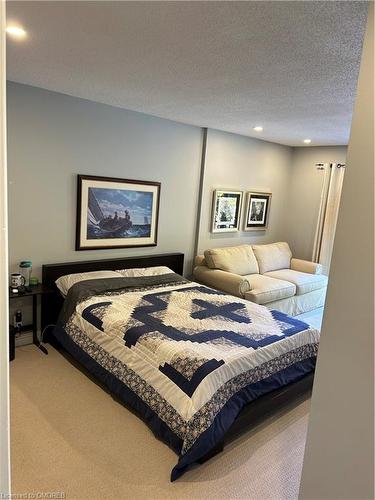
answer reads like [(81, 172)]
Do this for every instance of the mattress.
[(185, 357)]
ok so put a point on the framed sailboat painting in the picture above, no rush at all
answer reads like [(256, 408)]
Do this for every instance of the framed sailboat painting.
[(116, 213)]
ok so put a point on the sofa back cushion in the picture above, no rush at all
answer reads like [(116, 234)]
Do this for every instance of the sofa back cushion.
[(237, 260), (272, 257)]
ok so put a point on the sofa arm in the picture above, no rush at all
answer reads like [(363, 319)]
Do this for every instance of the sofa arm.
[(200, 260), (233, 284), (305, 266)]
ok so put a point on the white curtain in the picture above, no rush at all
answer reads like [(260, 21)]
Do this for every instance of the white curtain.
[(326, 167), (328, 213)]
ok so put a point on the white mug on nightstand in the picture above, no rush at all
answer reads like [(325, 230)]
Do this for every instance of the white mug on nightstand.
[(17, 280)]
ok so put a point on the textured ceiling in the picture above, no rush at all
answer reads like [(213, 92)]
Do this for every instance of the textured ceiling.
[(289, 66)]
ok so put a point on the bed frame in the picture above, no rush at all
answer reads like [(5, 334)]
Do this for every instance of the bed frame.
[(251, 415)]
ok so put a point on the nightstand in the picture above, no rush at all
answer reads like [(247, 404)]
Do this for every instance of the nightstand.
[(34, 291), (12, 343)]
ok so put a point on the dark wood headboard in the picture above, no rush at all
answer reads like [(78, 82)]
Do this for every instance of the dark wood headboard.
[(52, 302)]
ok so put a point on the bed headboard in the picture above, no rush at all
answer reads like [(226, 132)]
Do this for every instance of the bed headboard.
[(52, 302)]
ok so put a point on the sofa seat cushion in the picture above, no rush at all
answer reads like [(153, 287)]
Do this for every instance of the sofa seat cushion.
[(264, 289), (272, 256), (237, 260), (304, 282)]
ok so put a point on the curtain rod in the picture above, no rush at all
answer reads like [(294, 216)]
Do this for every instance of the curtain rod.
[(322, 166)]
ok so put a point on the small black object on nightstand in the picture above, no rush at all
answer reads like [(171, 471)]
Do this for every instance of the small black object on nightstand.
[(32, 291)]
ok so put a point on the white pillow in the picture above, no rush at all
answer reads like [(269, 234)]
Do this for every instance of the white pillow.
[(144, 271), (65, 282)]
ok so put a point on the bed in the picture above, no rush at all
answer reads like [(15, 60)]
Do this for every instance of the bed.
[(194, 363)]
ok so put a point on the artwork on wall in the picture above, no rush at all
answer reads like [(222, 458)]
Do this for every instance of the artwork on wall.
[(257, 211), (116, 213), (226, 211)]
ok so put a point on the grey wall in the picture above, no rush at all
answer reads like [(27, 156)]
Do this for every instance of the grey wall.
[(339, 456), (304, 195), (245, 164), (52, 137)]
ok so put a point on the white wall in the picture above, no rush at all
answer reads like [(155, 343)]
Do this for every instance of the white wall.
[(245, 164), (52, 137), (339, 456), (4, 350), (304, 195)]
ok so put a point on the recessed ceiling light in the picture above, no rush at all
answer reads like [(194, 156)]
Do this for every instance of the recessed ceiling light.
[(258, 128), (307, 141), (16, 32)]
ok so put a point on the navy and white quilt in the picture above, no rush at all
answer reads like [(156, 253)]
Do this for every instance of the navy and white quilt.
[(186, 357)]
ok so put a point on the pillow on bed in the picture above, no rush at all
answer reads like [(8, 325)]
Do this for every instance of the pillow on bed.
[(65, 282), (144, 271)]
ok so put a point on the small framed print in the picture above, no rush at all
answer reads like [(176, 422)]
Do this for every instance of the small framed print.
[(116, 213), (257, 211), (226, 211)]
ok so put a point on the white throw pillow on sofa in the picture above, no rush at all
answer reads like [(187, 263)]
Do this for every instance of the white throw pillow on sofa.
[(273, 256), (237, 260)]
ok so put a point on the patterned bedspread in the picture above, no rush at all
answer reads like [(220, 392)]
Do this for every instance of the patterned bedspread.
[(187, 358)]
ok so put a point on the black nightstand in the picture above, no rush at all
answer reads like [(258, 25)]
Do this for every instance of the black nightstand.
[(12, 343), (34, 291)]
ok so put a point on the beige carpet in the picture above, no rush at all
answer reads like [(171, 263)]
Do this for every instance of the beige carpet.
[(69, 435), (314, 318)]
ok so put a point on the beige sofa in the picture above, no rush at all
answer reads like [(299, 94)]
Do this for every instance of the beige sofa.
[(265, 274)]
